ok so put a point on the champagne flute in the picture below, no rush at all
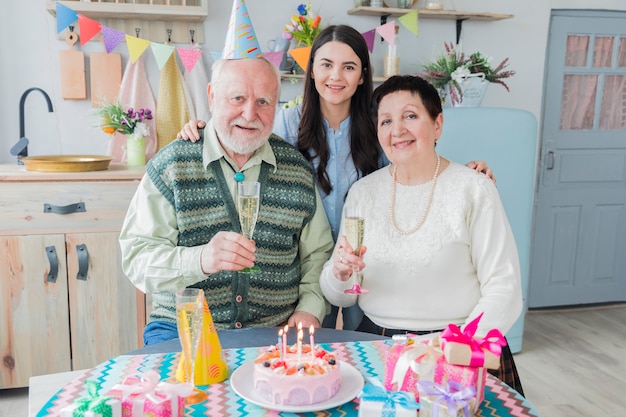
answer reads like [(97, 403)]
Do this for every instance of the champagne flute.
[(248, 195), (354, 229), (189, 308)]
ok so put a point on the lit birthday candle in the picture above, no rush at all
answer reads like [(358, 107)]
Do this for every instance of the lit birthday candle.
[(285, 330), (279, 346), (312, 341), (300, 335)]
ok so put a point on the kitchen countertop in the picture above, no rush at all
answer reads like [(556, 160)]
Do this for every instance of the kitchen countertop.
[(116, 172)]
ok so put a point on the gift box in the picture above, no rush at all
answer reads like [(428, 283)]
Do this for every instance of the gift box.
[(466, 376), (447, 400), (376, 401), (462, 348), (406, 363), (93, 405), (146, 395)]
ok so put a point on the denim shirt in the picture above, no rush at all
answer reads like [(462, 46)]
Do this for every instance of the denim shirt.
[(340, 168)]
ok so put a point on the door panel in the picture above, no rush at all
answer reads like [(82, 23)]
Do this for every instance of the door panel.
[(34, 330), (580, 217), (105, 317)]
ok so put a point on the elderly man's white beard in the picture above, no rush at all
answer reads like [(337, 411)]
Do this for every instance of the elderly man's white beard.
[(241, 145)]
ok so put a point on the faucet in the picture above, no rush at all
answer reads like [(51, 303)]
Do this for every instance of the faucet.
[(20, 149)]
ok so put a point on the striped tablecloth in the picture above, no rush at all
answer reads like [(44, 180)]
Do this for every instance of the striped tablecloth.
[(367, 357)]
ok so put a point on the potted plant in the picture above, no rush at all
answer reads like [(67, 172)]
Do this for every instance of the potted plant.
[(452, 69), (130, 122)]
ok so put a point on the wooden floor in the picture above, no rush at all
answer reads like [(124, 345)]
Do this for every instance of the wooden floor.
[(572, 364)]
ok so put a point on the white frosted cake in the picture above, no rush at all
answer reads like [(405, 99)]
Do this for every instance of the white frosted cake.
[(296, 379)]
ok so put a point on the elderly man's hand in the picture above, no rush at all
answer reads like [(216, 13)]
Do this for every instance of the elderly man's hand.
[(303, 317), (227, 251)]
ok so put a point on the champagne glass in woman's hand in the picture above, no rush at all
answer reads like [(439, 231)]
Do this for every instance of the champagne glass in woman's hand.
[(354, 228), (189, 308), (248, 195)]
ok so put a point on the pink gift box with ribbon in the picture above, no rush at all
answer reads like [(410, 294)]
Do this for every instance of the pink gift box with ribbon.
[(462, 348), (147, 395), (405, 364)]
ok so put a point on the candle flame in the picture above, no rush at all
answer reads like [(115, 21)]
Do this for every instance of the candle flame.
[(311, 329), (299, 325), (280, 332)]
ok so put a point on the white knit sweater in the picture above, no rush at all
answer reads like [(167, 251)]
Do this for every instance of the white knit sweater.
[(461, 262)]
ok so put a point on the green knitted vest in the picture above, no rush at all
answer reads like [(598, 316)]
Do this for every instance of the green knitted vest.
[(204, 207)]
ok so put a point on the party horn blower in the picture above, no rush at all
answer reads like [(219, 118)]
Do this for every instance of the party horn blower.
[(210, 366)]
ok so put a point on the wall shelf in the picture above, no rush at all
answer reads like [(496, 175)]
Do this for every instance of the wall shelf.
[(458, 16), (428, 14), (153, 20)]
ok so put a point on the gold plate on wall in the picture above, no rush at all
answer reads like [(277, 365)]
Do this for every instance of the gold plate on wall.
[(67, 163)]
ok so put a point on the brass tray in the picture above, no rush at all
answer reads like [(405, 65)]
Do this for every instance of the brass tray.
[(67, 163)]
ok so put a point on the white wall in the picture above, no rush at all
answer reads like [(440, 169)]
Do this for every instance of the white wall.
[(30, 58)]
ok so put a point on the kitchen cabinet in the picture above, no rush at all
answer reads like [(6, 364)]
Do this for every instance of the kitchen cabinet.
[(65, 302)]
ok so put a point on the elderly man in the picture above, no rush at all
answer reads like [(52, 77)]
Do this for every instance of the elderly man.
[(182, 226)]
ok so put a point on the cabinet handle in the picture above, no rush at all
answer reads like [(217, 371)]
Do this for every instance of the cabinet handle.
[(83, 261), (70, 208), (54, 264)]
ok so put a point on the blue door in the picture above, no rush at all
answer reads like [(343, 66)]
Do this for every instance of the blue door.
[(579, 236)]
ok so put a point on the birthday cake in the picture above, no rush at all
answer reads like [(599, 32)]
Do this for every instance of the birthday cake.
[(296, 378)]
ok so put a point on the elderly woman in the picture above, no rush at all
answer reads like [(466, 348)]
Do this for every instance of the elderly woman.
[(437, 246)]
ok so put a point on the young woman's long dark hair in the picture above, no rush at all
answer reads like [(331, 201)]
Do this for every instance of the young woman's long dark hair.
[(312, 142)]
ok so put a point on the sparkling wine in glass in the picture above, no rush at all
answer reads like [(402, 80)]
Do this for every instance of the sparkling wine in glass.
[(248, 195), (189, 308), (354, 229)]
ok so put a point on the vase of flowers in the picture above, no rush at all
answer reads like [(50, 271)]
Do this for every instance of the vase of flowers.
[(303, 27), (462, 80), (130, 122)]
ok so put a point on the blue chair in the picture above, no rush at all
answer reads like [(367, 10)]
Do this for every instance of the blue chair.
[(507, 140)]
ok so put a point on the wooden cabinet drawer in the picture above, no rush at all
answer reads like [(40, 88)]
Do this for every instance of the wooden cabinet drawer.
[(22, 206)]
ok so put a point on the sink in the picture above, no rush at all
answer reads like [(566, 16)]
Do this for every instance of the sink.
[(66, 163)]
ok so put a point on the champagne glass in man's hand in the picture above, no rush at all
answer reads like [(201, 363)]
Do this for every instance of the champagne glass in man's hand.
[(248, 195)]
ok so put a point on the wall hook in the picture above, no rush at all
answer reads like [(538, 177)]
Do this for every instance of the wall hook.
[(192, 33), (71, 28), (137, 30), (169, 35)]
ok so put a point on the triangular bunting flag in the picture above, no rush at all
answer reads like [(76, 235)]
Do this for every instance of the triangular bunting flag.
[(88, 28), (136, 47), (161, 53), (111, 38), (274, 57), (369, 37), (409, 21), (65, 16), (387, 31), (301, 55), (189, 57)]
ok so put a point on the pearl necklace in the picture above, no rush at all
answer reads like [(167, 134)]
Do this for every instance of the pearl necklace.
[(392, 203)]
